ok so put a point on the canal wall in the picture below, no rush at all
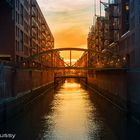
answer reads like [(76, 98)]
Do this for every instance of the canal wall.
[(120, 87), (112, 84), (133, 90), (14, 82), (20, 87)]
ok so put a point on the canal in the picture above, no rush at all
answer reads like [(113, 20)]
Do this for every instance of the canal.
[(69, 112)]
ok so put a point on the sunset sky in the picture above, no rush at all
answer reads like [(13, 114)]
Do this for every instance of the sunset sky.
[(69, 22)]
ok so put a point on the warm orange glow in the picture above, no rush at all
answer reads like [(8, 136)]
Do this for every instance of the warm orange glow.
[(71, 107), (69, 22), (71, 37)]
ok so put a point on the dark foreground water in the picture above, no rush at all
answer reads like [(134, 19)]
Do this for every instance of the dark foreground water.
[(70, 112)]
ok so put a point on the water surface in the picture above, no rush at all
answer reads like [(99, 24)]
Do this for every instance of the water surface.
[(69, 112)]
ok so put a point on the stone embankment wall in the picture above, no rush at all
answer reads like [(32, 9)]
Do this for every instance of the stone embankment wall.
[(133, 90), (121, 87), (18, 88), (15, 82)]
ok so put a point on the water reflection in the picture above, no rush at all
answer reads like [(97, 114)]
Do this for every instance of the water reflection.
[(73, 116), (71, 113), (68, 113)]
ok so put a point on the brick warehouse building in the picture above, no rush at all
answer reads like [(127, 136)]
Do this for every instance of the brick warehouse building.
[(24, 30)]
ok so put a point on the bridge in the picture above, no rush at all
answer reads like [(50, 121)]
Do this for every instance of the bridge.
[(53, 51), (26, 63), (79, 68), (79, 77)]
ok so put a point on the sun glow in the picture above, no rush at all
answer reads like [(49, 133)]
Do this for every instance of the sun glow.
[(69, 22)]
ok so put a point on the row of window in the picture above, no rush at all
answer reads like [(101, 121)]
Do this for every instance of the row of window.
[(35, 35), (17, 4), (26, 27), (20, 16), (27, 3), (20, 47)]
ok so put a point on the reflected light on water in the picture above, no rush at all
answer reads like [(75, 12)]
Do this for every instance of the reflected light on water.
[(71, 114), (71, 85)]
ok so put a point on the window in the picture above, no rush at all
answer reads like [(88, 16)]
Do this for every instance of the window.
[(16, 45), (26, 3), (26, 15), (21, 14), (21, 41)]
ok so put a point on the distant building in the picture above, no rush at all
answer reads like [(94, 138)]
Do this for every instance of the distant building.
[(82, 62), (23, 30), (97, 40)]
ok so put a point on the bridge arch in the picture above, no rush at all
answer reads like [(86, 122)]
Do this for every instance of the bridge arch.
[(62, 49), (53, 51)]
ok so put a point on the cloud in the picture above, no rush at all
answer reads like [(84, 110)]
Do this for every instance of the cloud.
[(64, 5)]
